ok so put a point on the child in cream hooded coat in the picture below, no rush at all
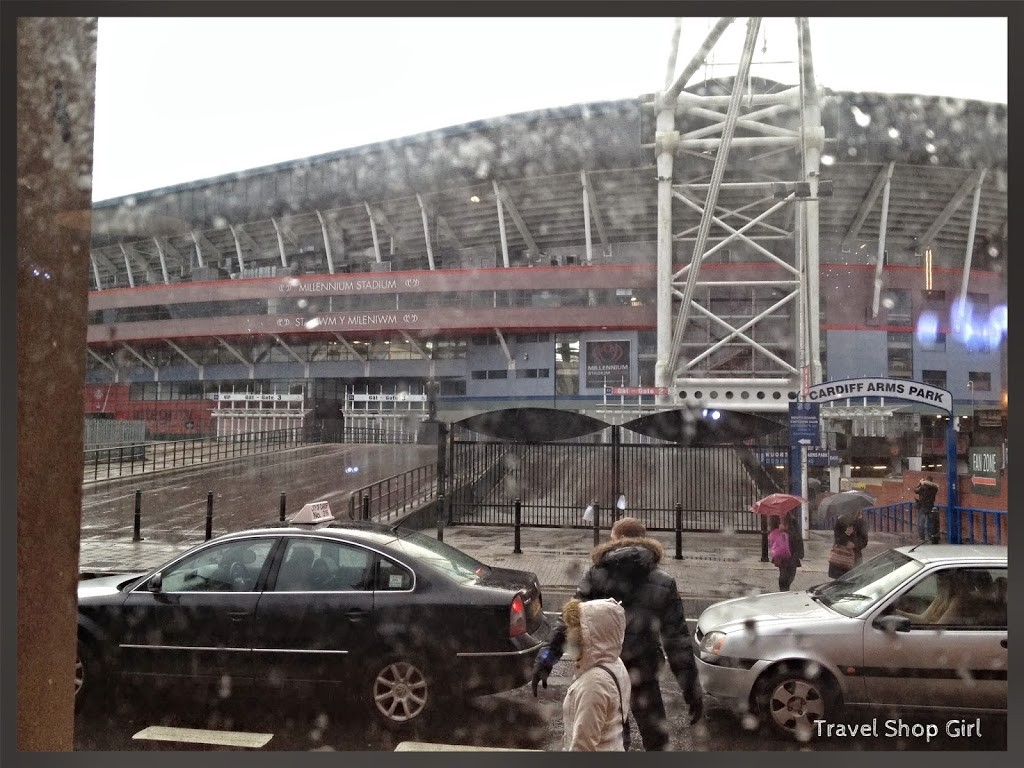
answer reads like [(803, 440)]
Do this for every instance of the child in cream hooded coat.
[(592, 711)]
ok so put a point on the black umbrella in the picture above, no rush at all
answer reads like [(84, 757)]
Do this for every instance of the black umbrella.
[(832, 508)]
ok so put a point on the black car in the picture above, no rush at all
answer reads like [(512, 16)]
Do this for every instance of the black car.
[(396, 616)]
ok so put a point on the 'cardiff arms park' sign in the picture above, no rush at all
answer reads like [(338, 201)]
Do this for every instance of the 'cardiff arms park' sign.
[(899, 389)]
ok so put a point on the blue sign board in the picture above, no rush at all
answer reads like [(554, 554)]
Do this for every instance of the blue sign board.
[(821, 457), (804, 424), (816, 457)]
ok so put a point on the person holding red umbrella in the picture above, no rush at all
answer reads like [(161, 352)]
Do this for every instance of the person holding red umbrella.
[(786, 528)]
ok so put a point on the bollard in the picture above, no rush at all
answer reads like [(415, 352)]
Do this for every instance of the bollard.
[(518, 506), (597, 524), (764, 538), (440, 517), (366, 507), (137, 532), (209, 515), (282, 507), (679, 531)]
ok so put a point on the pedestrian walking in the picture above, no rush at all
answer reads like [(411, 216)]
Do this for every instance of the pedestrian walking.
[(789, 548), (927, 515), (851, 533), (595, 710), (626, 569)]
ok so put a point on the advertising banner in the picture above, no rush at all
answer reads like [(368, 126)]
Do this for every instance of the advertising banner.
[(607, 363)]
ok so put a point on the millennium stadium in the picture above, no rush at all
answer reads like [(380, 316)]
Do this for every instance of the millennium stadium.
[(718, 247)]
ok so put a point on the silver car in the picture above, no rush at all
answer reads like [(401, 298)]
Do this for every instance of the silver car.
[(914, 628)]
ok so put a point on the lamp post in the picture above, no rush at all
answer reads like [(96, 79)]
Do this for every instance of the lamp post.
[(970, 386)]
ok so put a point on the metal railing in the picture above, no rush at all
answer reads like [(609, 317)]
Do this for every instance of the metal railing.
[(983, 526), (555, 481), (138, 458), (394, 496), (976, 526)]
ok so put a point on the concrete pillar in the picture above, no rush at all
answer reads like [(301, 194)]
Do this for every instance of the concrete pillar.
[(56, 60)]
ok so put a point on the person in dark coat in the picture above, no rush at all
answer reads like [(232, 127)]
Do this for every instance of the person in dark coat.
[(928, 516), (790, 525), (852, 531), (626, 569)]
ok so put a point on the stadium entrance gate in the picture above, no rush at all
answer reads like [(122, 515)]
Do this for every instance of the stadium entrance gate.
[(625, 472)]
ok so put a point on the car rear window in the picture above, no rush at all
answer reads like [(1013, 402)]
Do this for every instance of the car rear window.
[(439, 555)]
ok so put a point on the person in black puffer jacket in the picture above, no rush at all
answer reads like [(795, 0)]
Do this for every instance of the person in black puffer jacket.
[(626, 569)]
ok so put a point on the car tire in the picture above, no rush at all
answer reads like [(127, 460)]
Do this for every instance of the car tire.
[(89, 676), (402, 691), (791, 697)]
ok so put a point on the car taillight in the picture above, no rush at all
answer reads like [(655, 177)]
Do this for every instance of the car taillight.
[(517, 617)]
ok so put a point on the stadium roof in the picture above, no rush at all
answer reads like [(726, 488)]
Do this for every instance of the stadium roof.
[(383, 197)]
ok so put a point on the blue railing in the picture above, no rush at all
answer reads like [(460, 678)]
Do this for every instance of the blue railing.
[(895, 518), (983, 526), (971, 526)]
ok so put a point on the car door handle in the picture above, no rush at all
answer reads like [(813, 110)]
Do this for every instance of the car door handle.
[(238, 615), (357, 614)]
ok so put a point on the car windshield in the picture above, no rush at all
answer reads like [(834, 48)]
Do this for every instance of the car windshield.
[(439, 555), (863, 586)]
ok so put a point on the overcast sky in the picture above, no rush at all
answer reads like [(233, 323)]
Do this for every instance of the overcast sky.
[(181, 99)]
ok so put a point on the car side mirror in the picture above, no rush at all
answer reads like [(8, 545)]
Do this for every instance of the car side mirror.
[(156, 582), (893, 624)]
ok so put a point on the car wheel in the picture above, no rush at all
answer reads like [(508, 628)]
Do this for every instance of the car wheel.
[(401, 691), (792, 697), (88, 675)]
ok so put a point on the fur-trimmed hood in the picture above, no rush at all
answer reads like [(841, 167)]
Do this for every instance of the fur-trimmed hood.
[(598, 628), (640, 552)]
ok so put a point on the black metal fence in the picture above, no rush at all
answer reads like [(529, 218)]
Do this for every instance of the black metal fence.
[(395, 495), (126, 460), (713, 487)]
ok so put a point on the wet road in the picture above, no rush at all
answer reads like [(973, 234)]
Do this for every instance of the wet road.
[(511, 720), (246, 491)]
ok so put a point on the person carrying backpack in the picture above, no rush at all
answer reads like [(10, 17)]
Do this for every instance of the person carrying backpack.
[(785, 548), (595, 711)]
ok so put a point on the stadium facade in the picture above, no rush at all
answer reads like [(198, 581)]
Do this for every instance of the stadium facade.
[(514, 262)]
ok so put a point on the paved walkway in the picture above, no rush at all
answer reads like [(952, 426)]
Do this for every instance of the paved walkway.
[(713, 565)]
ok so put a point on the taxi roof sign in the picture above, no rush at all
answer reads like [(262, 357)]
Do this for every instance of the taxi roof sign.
[(314, 512)]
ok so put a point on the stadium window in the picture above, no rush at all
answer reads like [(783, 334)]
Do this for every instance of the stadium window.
[(533, 373), (900, 355), (934, 301), (978, 303), (453, 388), (934, 378), (938, 344), (981, 381), (901, 310)]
